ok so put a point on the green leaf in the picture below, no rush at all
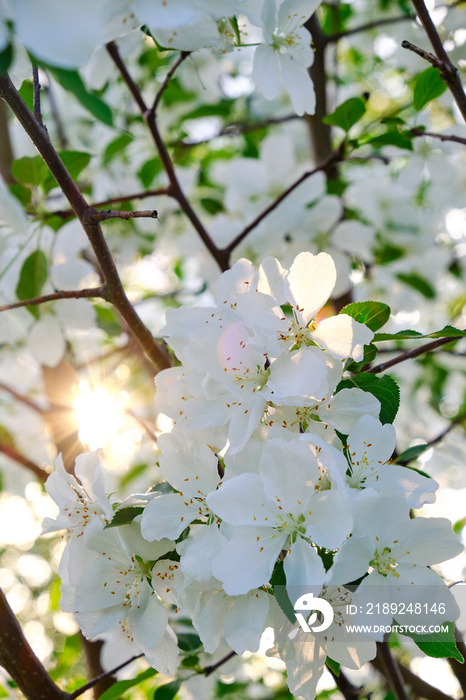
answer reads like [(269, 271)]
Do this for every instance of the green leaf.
[(27, 93), (373, 314), (439, 645), (71, 81), (400, 139), (22, 193), (392, 120), (411, 453), (346, 114), (187, 641), (74, 162), (429, 85), (116, 147), (235, 26), (333, 665), (31, 170), (33, 276), (419, 283), (121, 687), (124, 516), (6, 438), (370, 353), (167, 691), (149, 170), (278, 582), (385, 389), (446, 332), (6, 58)]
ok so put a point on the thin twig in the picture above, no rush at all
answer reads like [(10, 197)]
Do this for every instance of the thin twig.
[(448, 71), (98, 215), (22, 399), (238, 129), (36, 95), (13, 454), (59, 126), (410, 354), (332, 158), (391, 671), (100, 677), (367, 26), (143, 424), (441, 137), (114, 291), (207, 670), (419, 687), (175, 190), (346, 688), (183, 55), (69, 213), (426, 55), (78, 294)]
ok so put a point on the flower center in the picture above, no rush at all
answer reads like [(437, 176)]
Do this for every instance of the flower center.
[(384, 563)]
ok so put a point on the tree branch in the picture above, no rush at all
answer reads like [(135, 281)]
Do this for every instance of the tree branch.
[(419, 687), (23, 399), (79, 294), (96, 216), (36, 95), (207, 670), (391, 671), (10, 452), (18, 659), (183, 55), (69, 213), (346, 688), (448, 71), (332, 38), (114, 292), (410, 354), (101, 677), (333, 158), (441, 137), (175, 190)]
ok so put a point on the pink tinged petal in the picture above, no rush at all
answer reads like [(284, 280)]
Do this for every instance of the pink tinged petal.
[(329, 520), (289, 471), (303, 566), (235, 281), (352, 561), (242, 501), (343, 337), (311, 280), (427, 541), (298, 379), (247, 560), (346, 408), (298, 83), (245, 622), (198, 552), (187, 462), (265, 71), (167, 516)]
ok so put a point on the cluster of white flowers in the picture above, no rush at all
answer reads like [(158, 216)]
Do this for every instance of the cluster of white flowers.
[(273, 480), (63, 33)]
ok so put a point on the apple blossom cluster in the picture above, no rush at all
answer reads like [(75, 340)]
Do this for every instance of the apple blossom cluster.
[(273, 482), (64, 33)]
